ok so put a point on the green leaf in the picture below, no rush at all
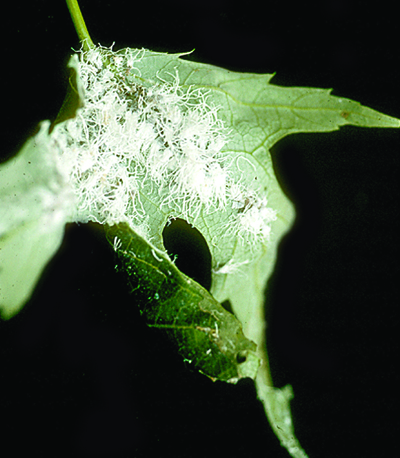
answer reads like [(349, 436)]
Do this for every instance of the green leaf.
[(34, 207), (256, 114), (204, 333), (160, 138)]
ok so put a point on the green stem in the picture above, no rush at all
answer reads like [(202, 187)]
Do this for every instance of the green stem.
[(79, 24)]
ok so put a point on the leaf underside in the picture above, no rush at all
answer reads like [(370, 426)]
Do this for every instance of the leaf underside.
[(204, 333)]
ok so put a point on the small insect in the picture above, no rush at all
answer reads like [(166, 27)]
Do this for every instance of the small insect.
[(229, 267), (153, 252), (117, 243)]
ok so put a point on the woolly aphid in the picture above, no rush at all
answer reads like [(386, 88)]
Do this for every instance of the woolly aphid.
[(129, 141)]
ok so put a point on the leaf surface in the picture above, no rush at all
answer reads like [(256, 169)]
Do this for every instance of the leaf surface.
[(204, 333), (140, 152), (34, 207), (256, 114)]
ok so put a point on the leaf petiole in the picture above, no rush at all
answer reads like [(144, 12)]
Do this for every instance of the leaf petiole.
[(79, 24)]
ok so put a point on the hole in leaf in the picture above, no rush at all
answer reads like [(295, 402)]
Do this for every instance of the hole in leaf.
[(186, 245), (227, 306), (241, 357)]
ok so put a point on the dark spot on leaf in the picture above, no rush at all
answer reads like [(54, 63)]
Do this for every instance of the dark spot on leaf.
[(345, 114), (190, 248)]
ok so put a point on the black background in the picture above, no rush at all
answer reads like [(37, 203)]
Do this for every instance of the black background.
[(81, 375)]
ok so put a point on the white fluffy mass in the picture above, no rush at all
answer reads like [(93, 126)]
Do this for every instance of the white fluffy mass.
[(131, 140)]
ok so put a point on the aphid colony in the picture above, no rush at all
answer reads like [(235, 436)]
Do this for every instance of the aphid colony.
[(136, 141)]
